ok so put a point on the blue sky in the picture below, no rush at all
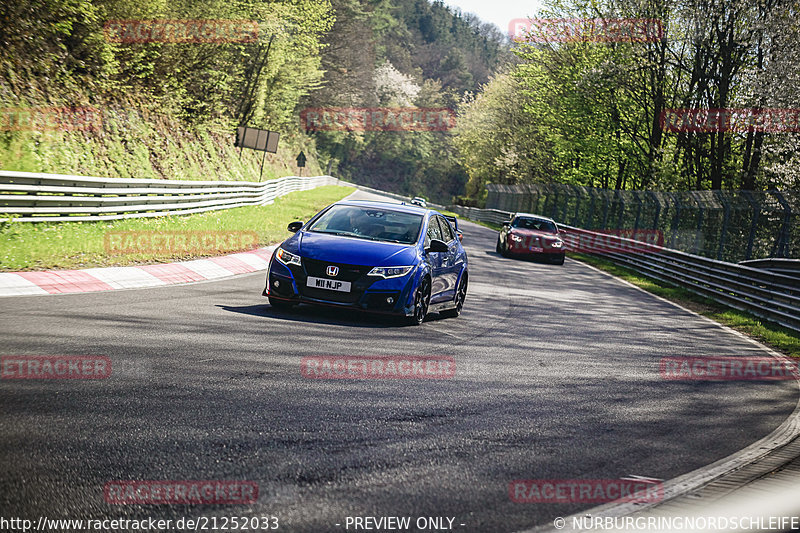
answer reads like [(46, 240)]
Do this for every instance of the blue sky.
[(500, 12)]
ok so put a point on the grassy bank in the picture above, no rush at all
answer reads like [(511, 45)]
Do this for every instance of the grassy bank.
[(130, 141), (777, 337), (66, 245)]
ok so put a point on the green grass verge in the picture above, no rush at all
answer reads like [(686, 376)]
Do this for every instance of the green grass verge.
[(773, 335), (67, 245)]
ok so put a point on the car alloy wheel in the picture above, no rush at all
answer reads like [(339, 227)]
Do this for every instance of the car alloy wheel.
[(422, 300), (461, 295)]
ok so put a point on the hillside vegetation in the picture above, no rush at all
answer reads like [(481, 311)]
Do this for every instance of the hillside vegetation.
[(579, 111), (170, 109), (587, 108)]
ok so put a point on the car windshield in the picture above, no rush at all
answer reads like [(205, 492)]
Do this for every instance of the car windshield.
[(534, 224), (371, 223)]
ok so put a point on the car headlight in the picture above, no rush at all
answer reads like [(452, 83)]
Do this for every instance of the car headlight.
[(390, 272), (287, 258), (556, 244), (515, 238)]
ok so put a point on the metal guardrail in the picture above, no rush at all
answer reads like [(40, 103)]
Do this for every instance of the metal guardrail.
[(492, 216), (790, 267), (34, 197), (769, 295)]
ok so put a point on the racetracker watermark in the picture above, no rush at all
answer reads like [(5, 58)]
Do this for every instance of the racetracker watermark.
[(733, 120), (181, 31), (728, 369), (180, 492), (50, 119), (585, 30), (55, 367), (584, 491), (615, 240), (377, 119), (377, 367), (178, 242)]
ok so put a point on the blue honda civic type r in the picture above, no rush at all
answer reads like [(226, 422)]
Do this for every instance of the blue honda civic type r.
[(378, 257)]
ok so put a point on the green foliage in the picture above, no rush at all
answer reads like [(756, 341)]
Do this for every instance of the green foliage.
[(169, 108), (497, 141), (63, 41), (165, 109), (432, 55), (597, 104)]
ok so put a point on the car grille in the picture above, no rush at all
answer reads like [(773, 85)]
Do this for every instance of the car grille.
[(317, 269), (355, 274)]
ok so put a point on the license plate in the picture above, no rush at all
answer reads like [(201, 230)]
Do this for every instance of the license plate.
[(535, 249), (329, 284)]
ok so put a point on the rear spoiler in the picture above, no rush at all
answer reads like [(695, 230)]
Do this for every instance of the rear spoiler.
[(454, 222)]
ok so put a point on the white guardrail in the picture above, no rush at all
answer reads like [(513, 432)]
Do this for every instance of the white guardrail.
[(34, 197)]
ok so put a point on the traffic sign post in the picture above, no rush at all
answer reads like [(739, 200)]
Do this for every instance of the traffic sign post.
[(256, 139)]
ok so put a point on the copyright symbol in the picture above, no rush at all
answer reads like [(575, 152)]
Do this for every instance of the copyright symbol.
[(559, 523)]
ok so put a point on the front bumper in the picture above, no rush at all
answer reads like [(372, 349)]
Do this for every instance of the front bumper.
[(368, 293), (535, 250)]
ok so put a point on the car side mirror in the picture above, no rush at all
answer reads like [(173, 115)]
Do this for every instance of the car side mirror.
[(437, 246), (294, 227), (460, 236)]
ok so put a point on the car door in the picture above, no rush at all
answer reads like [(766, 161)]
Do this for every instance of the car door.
[(436, 260), (452, 262)]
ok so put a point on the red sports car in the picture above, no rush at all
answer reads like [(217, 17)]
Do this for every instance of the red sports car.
[(531, 235)]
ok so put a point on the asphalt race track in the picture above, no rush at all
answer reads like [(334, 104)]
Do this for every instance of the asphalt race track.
[(557, 377)]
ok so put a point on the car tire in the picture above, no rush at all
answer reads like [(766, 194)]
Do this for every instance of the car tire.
[(498, 248), (461, 295), (504, 250), (422, 302), (560, 260), (281, 305)]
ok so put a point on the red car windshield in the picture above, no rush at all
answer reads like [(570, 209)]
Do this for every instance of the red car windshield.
[(534, 224)]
